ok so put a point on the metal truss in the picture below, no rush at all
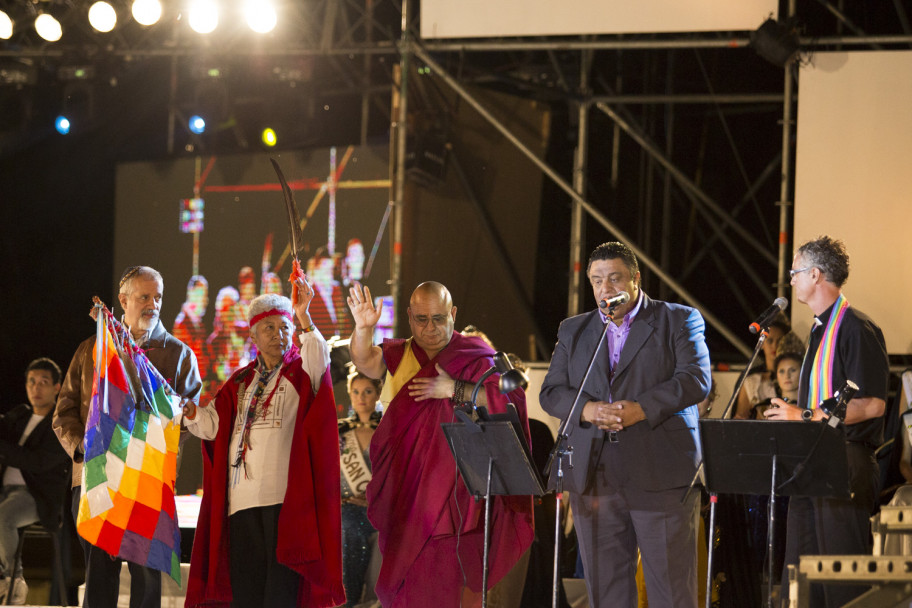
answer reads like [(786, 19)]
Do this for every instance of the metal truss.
[(675, 146), (890, 577)]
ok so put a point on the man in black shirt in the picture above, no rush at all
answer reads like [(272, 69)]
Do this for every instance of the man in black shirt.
[(34, 470), (844, 345)]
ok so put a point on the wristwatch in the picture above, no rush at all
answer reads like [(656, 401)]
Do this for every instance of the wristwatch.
[(807, 415)]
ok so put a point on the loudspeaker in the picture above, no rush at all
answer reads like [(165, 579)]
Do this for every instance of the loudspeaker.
[(776, 42)]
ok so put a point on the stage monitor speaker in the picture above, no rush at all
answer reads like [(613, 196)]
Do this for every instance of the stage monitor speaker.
[(776, 42)]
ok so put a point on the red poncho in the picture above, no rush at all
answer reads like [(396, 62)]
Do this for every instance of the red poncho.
[(410, 498), (310, 522)]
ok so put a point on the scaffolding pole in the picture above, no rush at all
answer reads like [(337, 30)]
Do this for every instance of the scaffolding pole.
[(785, 201), (644, 259), (399, 198), (580, 169)]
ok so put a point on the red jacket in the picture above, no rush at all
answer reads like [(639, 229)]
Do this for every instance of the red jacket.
[(310, 522)]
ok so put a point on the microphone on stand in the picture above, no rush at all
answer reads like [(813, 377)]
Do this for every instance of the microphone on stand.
[(767, 316), (621, 298)]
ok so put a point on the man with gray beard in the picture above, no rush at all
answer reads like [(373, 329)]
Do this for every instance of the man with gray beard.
[(140, 296)]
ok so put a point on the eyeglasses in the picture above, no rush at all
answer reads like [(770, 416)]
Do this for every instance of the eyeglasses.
[(792, 273)]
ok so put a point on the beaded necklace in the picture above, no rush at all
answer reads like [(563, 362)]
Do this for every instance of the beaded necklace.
[(250, 415)]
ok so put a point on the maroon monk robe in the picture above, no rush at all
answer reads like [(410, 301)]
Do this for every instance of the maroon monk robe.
[(410, 497), (310, 522)]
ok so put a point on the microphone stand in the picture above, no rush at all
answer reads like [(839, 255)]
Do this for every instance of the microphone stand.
[(560, 451), (714, 497), (764, 334), (510, 379)]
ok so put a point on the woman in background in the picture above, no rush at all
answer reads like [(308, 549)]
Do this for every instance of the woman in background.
[(355, 433), (788, 368), (760, 386)]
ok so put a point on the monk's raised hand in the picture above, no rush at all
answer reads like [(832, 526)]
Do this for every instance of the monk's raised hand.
[(365, 314), (440, 386)]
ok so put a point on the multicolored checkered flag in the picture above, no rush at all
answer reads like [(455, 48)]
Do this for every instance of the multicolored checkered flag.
[(131, 441)]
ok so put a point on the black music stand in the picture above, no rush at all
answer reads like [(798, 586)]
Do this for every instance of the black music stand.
[(493, 461), (755, 456)]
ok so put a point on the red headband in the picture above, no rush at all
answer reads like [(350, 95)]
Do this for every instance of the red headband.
[(269, 313)]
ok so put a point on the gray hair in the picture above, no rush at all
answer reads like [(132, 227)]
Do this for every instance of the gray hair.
[(830, 256), (268, 301), (137, 272)]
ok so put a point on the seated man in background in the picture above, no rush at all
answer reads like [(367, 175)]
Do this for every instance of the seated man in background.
[(35, 470)]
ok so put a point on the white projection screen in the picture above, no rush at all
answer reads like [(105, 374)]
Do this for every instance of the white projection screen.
[(853, 179), (496, 18)]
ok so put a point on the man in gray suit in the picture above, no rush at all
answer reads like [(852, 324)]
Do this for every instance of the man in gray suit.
[(636, 444)]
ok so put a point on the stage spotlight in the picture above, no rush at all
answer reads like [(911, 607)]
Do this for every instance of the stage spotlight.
[(147, 12), (261, 15), (197, 125), (268, 137), (102, 16), (48, 27), (203, 16), (62, 124), (6, 26)]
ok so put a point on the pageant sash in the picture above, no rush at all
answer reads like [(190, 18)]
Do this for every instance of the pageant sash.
[(354, 467)]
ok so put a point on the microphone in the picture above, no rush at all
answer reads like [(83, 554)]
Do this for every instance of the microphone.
[(621, 298), (765, 318)]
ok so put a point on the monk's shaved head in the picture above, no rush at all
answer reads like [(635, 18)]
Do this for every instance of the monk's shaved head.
[(432, 317), (432, 290)]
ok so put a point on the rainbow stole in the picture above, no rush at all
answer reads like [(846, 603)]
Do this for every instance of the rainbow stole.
[(821, 379)]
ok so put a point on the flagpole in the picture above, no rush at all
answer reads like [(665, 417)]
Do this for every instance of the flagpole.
[(100, 351)]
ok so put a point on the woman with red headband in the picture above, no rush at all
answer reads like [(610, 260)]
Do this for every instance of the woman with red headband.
[(269, 531)]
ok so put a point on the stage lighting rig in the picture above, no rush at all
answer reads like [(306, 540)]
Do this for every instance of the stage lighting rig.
[(203, 16), (48, 27), (6, 26), (260, 15), (102, 16), (146, 12)]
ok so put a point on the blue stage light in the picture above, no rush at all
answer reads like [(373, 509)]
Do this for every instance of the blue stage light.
[(62, 124), (197, 124)]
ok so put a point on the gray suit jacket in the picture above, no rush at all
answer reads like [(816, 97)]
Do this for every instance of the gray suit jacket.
[(664, 366)]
